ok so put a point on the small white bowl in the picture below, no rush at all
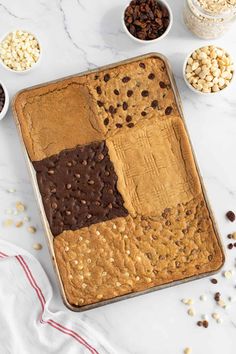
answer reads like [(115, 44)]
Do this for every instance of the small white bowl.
[(143, 41), (193, 88), (6, 103), (33, 66)]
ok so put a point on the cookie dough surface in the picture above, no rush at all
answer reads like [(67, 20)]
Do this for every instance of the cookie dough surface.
[(56, 117), (154, 165), (126, 255)]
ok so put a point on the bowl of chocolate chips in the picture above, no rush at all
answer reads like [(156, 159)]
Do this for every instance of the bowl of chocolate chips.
[(147, 21), (4, 100)]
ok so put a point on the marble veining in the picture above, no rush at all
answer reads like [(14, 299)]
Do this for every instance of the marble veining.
[(77, 35)]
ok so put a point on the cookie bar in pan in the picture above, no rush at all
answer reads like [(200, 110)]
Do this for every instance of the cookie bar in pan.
[(121, 193)]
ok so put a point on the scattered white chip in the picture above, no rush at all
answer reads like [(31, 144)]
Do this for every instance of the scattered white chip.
[(203, 297), (191, 312)]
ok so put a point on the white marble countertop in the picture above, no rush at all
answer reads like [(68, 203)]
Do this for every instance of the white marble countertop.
[(77, 35)]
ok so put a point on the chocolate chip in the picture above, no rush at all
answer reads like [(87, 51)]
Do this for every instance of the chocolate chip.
[(106, 121), (230, 246), (230, 215), (130, 125), (145, 93), (214, 281), (143, 113), (100, 103), (217, 296), (229, 236), (162, 84), (126, 79), (205, 323), (111, 109), (116, 92), (125, 106), (199, 323), (142, 65), (118, 125), (188, 212), (234, 244), (151, 76), (129, 93), (154, 104), (128, 119), (99, 90), (210, 257), (168, 110), (107, 77)]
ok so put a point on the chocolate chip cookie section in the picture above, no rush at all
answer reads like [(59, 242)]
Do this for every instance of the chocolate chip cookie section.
[(79, 188), (126, 255), (130, 93)]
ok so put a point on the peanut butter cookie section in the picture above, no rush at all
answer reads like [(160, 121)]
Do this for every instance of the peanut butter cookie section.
[(126, 255), (132, 92), (78, 187), (57, 117), (154, 165)]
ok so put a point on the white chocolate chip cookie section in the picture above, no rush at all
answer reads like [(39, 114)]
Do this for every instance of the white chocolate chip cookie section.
[(20, 51), (208, 70)]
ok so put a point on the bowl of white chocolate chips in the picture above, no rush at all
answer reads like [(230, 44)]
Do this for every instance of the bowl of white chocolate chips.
[(19, 51), (209, 69)]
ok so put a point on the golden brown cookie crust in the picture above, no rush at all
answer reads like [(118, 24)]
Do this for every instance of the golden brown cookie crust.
[(155, 166)]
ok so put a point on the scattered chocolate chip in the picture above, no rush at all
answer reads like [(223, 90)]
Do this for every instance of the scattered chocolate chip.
[(162, 84), (118, 125), (96, 77), (100, 103), (129, 93), (142, 65), (145, 93), (112, 109), (214, 281), (229, 236), (126, 79), (125, 106), (143, 113), (199, 323), (217, 296), (230, 215), (106, 121), (99, 90), (106, 77), (130, 125), (230, 246), (116, 92), (168, 110), (151, 76), (154, 104), (205, 323), (128, 119), (188, 212)]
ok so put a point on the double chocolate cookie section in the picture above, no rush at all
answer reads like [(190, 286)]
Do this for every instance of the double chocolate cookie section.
[(79, 188)]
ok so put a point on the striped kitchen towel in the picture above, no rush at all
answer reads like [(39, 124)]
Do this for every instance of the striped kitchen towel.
[(27, 325)]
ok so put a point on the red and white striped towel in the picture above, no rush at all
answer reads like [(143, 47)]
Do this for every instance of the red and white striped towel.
[(27, 326)]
